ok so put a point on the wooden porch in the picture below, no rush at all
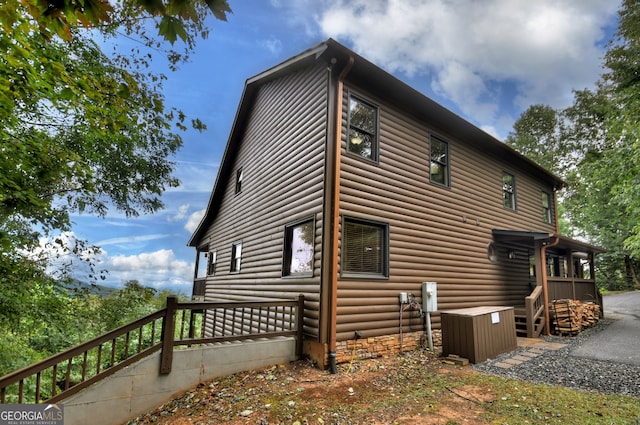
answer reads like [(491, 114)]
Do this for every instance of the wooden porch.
[(531, 318)]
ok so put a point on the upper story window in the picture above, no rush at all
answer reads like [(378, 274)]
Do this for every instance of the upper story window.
[(239, 175), (298, 248), (509, 190), (546, 207), (212, 259), (439, 168), (362, 139), (236, 256), (364, 248)]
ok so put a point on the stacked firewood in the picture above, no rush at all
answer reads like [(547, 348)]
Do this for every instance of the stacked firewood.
[(569, 317)]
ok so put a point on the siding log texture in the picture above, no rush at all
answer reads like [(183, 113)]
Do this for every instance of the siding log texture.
[(284, 141), (282, 158), (436, 233)]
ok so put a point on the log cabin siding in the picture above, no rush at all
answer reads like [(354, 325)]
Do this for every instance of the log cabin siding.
[(436, 233), (281, 153)]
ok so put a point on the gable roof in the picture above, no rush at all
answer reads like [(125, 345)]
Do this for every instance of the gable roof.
[(384, 85)]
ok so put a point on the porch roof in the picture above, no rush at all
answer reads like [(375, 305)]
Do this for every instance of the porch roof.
[(565, 243)]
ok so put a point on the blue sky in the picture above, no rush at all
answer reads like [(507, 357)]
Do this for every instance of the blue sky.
[(485, 60)]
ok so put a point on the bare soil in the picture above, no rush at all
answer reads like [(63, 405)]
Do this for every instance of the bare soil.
[(414, 388)]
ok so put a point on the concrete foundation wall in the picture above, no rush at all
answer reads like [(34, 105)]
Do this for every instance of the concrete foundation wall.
[(140, 388)]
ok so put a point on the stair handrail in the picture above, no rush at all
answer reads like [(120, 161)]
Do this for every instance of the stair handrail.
[(534, 306)]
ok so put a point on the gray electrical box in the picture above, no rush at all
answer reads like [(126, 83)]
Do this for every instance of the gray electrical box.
[(429, 296)]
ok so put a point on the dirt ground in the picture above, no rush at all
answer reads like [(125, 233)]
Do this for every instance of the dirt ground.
[(415, 388)]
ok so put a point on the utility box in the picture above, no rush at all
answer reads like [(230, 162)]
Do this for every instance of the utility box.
[(429, 296), (478, 333)]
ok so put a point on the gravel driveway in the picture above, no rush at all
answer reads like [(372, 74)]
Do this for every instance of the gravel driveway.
[(560, 367)]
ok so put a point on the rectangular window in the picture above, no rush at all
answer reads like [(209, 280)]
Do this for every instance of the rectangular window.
[(298, 248), (212, 259), (546, 207), (236, 256), (364, 248), (239, 181), (509, 191), (201, 263), (439, 168), (362, 139)]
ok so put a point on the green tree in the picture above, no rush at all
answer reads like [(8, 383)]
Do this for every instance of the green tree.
[(80, 131), (595, 146)]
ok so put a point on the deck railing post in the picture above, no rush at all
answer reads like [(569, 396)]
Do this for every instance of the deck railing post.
[(168, 330), (299, 326)]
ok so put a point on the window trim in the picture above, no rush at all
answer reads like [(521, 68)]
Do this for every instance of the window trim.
[(547, 216), (212, 261), (384, 227), (286, 248), (375, 144), (447, 165), (514, 195), (239, 178), (236, 258)]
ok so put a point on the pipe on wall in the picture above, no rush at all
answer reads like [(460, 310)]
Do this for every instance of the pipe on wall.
[(335, 216)]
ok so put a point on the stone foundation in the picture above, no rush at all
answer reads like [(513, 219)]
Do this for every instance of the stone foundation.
[(383, 346)]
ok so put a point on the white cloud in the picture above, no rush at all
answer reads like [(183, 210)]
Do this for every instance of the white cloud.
[(180, 214), (194, 220), (543, 49), (159, 269), (130, 239)]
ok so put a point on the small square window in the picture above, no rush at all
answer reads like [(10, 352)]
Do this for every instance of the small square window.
[(546, 207), (212, 258), (236, 257), (299, 248), (439, 168), (239, 175), (362, 139), (364, 248), (509, 191)]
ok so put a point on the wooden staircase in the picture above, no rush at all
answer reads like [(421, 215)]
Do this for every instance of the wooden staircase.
[(530, 318), (520, 314)]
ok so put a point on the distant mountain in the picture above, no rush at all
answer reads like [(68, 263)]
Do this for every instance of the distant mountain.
[(78, 287)]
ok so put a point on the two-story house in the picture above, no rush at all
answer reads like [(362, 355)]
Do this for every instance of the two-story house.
[(344, 184)]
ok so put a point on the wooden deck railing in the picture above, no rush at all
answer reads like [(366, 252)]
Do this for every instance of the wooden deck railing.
[(177, 325), (534, 305)]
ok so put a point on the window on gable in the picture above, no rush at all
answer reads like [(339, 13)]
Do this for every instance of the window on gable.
[(364, 248), (212, 259), (236, 256), (239, 176), (298, 248), (509, 191), (546, 207), (362, 139), (439, 168)]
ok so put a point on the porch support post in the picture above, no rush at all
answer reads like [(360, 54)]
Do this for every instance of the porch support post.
[(545, 286)]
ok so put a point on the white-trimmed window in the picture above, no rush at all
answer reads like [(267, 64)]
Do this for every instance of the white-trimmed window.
[(439, 167), (364, 248), (362, 139), (298, 248), (509, 190), (236, 257)]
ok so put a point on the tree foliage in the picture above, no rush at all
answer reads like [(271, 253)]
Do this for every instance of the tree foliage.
[(80, 131), (83, 131), (595, 146)]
